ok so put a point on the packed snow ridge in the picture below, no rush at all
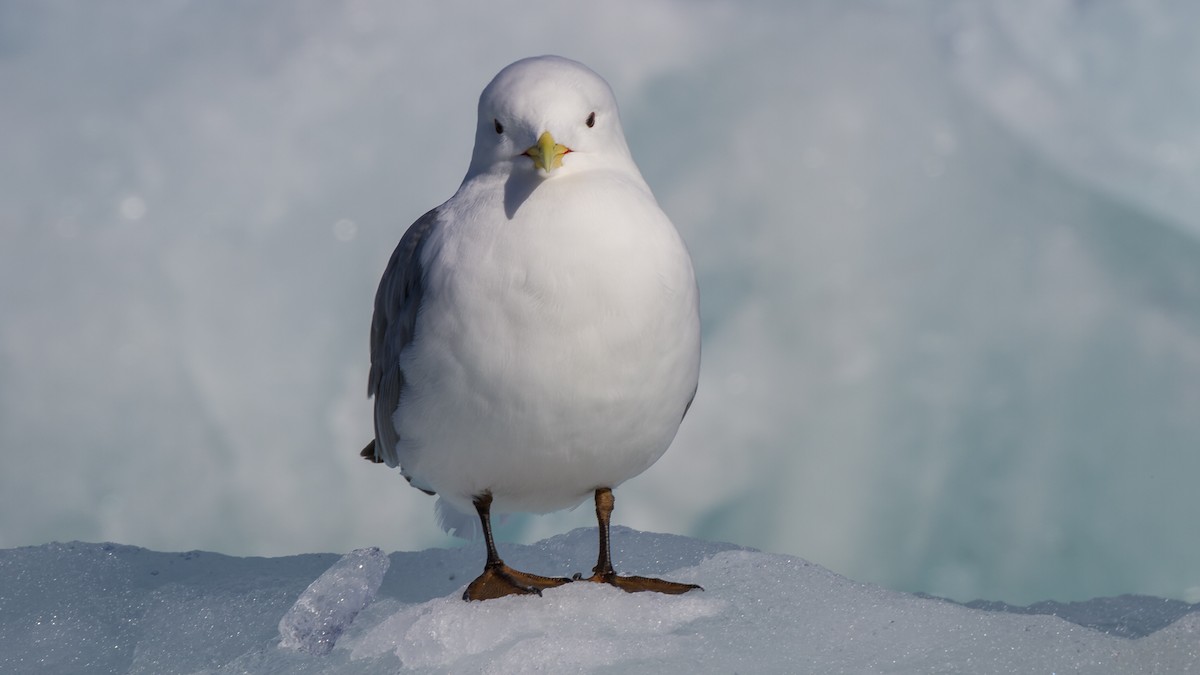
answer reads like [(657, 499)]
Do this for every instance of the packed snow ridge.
[(106, 608)]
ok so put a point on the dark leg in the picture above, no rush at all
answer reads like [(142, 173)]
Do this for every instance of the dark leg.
[(498, 579), (603, 571)]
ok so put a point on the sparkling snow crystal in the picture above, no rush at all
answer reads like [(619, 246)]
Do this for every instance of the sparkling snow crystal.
[(331, 602)]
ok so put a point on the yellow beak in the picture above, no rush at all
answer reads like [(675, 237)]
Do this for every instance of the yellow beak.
[(547, 154)]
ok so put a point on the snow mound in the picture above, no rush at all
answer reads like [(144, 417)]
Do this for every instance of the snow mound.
[(331, 602), (579, 626), (67, 608)]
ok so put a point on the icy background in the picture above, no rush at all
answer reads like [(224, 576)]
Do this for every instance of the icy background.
[(101, 608), (948, 254)]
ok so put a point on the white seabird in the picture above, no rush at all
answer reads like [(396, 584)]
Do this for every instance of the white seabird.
[(536, 338)]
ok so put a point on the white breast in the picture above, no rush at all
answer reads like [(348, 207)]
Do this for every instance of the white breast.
[(555, 352)]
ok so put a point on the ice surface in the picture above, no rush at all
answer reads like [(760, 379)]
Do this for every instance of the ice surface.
[(328, 606), (947, 256), (1131, 616), (1085, 82), (98, 608)]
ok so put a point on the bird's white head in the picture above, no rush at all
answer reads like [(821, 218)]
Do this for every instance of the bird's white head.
[(548, 116)]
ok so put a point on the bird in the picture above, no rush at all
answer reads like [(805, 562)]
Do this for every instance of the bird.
[(536, 338)]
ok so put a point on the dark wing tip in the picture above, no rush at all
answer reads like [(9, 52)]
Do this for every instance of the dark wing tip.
[(691, 400), (368, 453), (428, 492)]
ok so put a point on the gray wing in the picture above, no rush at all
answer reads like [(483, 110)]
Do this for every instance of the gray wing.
[(392, 328)]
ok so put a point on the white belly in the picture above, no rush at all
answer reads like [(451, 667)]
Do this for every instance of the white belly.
[(549, 361)]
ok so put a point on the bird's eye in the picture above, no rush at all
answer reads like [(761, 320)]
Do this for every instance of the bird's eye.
[(591, 120), (499, 127)]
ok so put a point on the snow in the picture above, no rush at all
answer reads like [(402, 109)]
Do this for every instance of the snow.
[(96, 608)]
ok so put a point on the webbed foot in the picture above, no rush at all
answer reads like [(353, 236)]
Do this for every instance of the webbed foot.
[(499, 580), (638, 584)]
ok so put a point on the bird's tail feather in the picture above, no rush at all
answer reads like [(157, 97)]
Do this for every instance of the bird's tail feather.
[(368, 453), (462, 525)]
